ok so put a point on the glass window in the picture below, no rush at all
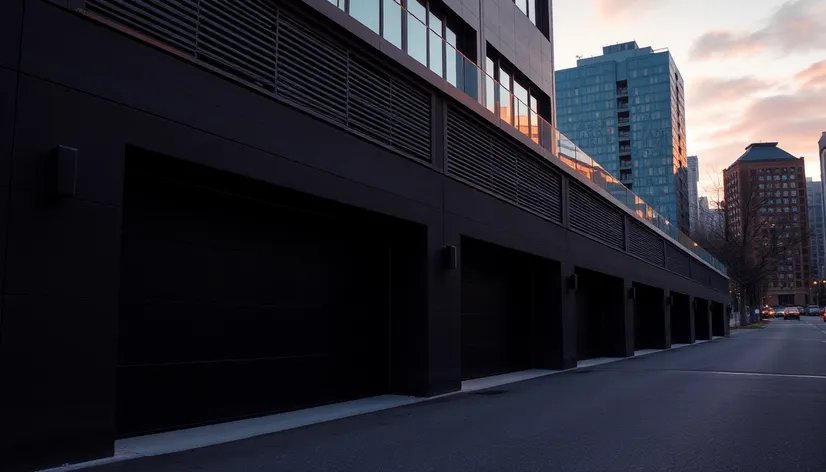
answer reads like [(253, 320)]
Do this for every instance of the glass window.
[(523, 5), (505, 99), (417, 31), (520, 106), (392, 24), (453, 60), (490, 85), (436, 45), (366, 12)]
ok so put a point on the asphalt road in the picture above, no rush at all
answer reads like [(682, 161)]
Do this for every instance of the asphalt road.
[(752, 402)]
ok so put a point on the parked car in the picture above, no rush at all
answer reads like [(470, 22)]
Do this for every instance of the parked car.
[(824, 315), (813, 310), (767, 312), (791, 312)]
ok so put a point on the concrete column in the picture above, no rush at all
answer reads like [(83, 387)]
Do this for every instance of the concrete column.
[(666, 304), (692, 321), (567, 319), (626, 349)]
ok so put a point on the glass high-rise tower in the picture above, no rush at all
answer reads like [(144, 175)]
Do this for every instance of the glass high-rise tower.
[(626, 109)]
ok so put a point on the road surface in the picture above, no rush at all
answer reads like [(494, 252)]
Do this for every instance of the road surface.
[(752, 402)]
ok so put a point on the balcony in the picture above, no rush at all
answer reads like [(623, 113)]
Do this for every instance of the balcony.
[(622, 92), (622, 121), (625, 136)]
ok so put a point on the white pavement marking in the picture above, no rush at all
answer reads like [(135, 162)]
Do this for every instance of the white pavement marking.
[(754, 374)]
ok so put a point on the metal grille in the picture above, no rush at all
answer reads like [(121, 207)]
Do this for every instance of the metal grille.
[(173, 23), (645, 244), (312, 70), (677, 261), (477, 154), (280, 53), (588, 214), (699, 272), (411, 119), (370, 101), (241, 38)]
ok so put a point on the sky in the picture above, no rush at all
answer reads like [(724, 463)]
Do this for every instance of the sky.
[(754, 70)]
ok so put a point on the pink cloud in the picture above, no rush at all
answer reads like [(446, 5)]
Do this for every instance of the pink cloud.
[(712, 91), (612, 9), (813, 76), (797, 26), (795, 120)]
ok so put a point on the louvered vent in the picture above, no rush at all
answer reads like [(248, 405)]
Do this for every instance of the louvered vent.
[(241, 38), (312, 70), (173, 23), (371, 98), (594, 217), (678, 261), (645, 244), (411, 119), (699, 272), (479, 155), (264, 46)]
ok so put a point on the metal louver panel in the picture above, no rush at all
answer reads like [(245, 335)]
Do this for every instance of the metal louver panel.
[(370, 101), (171, 22), (478, 155), (540, 189), (411, 119), (312, 70), (645, 244), (678, 261), (589, 215), (280, 53), (240, 37)]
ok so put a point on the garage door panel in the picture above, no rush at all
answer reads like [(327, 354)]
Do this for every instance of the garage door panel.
[(231, 307), (190, 394), (188, 333)]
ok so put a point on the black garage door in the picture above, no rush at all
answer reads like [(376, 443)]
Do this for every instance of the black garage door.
[(238, 299), (496, 310)]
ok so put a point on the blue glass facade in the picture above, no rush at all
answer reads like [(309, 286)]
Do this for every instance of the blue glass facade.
[(626, 110)]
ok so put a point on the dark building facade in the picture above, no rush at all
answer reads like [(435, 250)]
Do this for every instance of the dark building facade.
[(218, 210)]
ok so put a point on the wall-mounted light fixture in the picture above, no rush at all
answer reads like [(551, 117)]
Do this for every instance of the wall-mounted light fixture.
[(632, 293), (573, 282), (65, 168), (450, 257), (669, 300)]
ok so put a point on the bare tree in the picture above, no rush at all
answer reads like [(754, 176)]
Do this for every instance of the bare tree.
[(753, 238)]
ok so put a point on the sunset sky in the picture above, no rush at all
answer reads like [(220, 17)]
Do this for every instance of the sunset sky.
[(755, 70)]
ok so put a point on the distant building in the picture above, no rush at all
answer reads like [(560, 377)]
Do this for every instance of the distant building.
[(710, 220), (814, 192), (765, 190), (626, 109), (693, 203)]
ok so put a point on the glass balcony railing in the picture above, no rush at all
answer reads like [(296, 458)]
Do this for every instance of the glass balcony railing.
[(464, 74)]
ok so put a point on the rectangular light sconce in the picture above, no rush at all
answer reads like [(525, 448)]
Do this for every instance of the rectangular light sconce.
[(450, 257), (573, 282), (66, 170)]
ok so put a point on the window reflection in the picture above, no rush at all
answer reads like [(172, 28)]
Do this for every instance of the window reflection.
[(366, 12), (392, 23), (490, 85), (453, 60), (505, 97), (417, 31), (436, 44)]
